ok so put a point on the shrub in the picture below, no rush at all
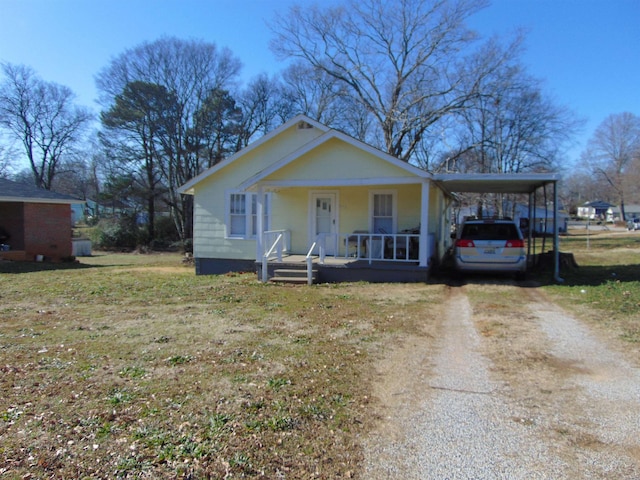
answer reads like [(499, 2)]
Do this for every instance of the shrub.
[(120, 232)]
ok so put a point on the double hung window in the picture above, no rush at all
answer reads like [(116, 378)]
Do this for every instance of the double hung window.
[(242, 218), (383, 212)]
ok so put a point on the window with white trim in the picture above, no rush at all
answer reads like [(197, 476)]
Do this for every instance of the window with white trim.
[(383, 212), (242, 214)]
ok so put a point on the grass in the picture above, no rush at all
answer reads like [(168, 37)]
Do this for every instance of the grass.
[(605, 288), (130, 366)]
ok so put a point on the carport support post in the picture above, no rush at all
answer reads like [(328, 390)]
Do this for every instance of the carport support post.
[(556, 240), (531, 221)]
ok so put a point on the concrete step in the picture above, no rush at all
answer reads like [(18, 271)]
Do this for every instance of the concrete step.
[(292, 275)]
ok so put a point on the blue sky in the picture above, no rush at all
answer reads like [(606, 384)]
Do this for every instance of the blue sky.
[(586, 51)]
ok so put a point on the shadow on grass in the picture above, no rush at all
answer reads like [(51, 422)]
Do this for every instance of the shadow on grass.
[(599, 275), (572, 275), (30, 267)]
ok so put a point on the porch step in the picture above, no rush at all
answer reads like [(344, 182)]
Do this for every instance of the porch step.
[(293, 275)]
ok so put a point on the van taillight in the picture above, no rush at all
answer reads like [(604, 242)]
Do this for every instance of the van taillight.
[(515, 243), (462, 243)]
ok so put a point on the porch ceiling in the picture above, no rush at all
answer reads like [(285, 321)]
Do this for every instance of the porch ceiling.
[(491, 183)]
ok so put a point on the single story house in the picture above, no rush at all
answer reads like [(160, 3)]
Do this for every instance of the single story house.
[(596, 210), (542, 218), (630, 211), (308, 198), (307, 191), (34, 223)]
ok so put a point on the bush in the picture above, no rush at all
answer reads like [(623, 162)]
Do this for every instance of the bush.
[(166, 234), (121, 232)]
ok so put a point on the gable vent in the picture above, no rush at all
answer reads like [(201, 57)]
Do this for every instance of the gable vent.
[(304, 125)]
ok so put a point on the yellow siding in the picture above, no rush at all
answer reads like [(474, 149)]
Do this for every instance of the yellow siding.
[(290, 206), (337, 159), (209, 236), (409, 198)]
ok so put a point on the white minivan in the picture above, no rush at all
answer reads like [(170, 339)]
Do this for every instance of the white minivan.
[(490, 245)]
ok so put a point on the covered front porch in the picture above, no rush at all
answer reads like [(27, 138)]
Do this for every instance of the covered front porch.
[(377, 232)]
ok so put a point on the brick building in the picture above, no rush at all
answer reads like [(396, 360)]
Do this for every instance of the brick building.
[(34, 223)]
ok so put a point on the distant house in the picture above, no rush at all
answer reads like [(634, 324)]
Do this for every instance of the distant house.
[(541, 218), (596, 210), (34, 223), (630, 211)]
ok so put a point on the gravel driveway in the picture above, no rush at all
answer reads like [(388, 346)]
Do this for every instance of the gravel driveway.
[(546, 399)]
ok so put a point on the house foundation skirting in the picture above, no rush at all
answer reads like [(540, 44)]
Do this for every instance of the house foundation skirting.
[(350, 271), (218, 266), (356, 271), (375, 273)]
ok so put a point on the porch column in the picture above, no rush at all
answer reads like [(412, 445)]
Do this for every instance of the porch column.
[(259, 223), (424, 252)]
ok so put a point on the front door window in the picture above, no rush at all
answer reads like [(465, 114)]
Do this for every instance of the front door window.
[(324, 219)]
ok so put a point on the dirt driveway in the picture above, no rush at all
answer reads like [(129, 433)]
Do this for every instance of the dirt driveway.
[(519, 393)]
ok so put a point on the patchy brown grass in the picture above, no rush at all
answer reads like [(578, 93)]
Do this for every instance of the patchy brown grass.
[(605, 288), (130, 366)]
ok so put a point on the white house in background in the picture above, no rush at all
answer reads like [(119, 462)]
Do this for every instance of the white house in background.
[(631, 212), (596, 210), (542, 217)]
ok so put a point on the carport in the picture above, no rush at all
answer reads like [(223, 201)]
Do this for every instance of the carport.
[(509, 184)]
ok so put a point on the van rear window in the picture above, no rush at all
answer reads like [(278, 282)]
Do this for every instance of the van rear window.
[(492, 231)]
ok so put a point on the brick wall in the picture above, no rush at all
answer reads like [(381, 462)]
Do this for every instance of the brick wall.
[(47, 230)]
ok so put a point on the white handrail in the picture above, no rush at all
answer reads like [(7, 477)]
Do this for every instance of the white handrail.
[(309, 259), (267, 255)]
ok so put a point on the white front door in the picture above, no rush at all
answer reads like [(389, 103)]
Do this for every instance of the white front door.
[(323, 219)]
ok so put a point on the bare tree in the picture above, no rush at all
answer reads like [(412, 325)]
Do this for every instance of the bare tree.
[(321, 96), (42, 117), (7, 157), (313, 92), (403, 61), (613, 152), (512, 126), (264, 107)]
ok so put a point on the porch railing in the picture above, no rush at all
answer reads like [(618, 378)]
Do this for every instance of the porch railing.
[(319, 244), (279, 242), (398, 247), (378, 247)]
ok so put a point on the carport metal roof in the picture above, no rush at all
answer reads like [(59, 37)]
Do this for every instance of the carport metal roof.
[(495, 183), (507, 183)]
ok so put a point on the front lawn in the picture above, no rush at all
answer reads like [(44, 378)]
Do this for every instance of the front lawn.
[(131, 366)]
